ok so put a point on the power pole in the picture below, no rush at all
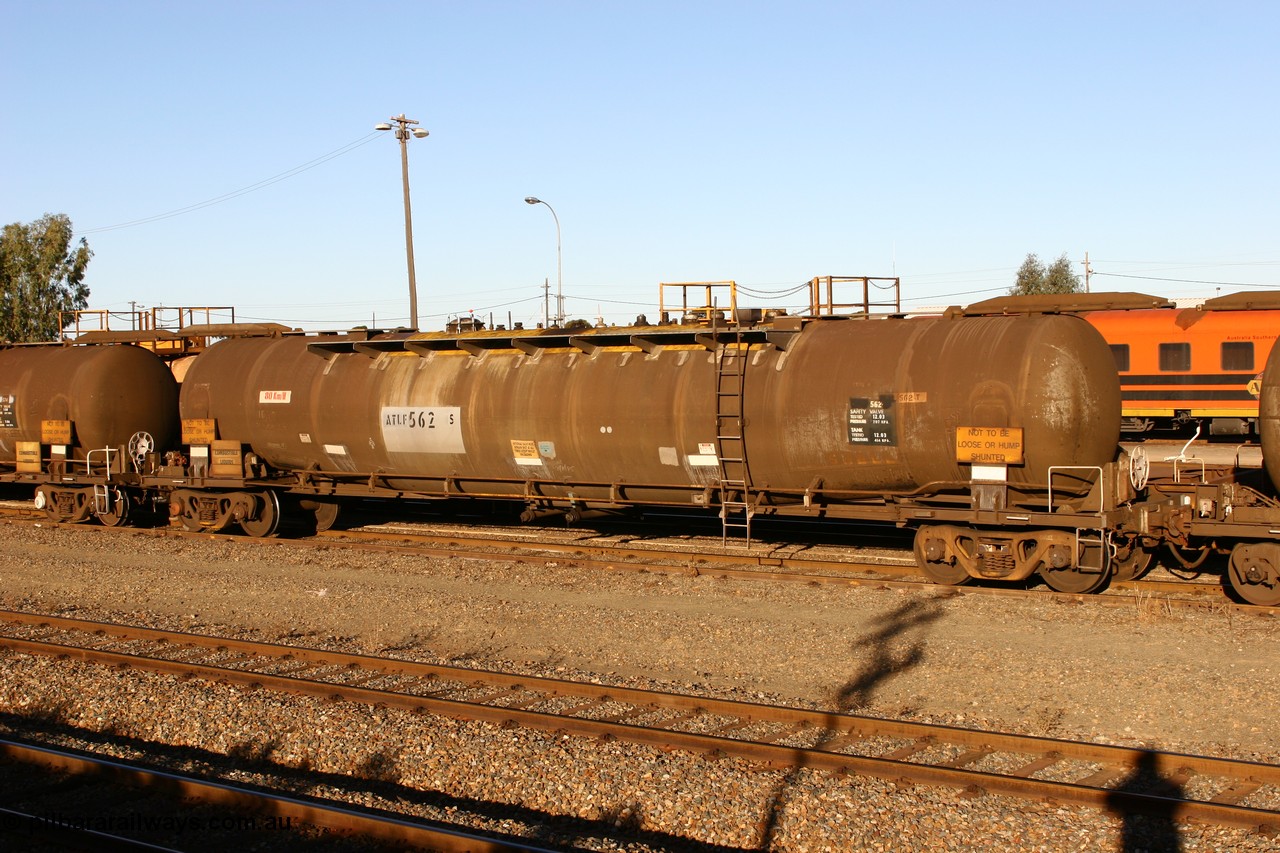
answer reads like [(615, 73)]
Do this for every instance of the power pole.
[(402, 133), (1088, 271)]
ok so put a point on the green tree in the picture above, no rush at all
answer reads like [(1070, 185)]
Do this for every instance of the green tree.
[(1035, 278), (41, 273)]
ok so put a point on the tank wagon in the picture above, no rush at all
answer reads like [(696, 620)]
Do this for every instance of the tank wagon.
[(72, 416), (987, 432)]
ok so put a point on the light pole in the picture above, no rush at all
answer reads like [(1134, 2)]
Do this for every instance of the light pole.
[(402, 133), (559, 263)]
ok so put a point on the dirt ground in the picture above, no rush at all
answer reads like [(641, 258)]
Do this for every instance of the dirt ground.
[(1204, 682)]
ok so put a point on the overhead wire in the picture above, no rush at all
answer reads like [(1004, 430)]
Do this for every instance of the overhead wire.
[(1186, 280), (266, 182)]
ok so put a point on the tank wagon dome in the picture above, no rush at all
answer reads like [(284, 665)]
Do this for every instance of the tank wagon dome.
[(859, 405), (107, 393)]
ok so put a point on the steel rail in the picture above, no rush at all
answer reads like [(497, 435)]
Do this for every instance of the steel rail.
[(327, 815), (507, 699), (780, 568)]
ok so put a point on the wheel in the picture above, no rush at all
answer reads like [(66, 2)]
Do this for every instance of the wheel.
[(268, 516), (117, 512), (1131, 562), (1254, 573), (326, 515), (309, 515), (1071, 579), (190, 522), (930, 550)]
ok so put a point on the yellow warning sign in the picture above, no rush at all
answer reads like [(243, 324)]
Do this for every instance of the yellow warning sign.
[(525, 452), (55, 432), (989, 445), (199, 430)]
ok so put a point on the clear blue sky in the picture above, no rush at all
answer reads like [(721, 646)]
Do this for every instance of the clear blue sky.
[(682, 141)]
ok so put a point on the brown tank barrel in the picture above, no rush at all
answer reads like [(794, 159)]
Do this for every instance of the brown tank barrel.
[(107, 392), (868, 405), (1269, 416)]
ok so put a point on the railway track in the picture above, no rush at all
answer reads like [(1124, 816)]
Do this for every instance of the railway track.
[(63, 796), (1122, 780), (788, 563), (784, 563)]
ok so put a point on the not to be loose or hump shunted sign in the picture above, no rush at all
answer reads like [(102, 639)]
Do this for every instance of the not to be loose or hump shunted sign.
[(989, 445)]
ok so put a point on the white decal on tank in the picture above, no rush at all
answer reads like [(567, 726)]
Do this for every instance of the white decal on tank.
[(419, 429), (990, 473), (340, 457), (702, 460), (275, 396)]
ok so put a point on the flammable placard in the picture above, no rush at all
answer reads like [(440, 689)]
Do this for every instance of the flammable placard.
[(225, 459), (28, 457)]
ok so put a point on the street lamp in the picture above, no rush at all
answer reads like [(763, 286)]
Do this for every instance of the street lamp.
[(402, 133), (559, 262)]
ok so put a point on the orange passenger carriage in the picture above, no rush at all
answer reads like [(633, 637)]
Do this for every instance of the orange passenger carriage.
[(1197, 366)]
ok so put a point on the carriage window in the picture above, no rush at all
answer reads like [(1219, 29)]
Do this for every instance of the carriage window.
[(1175, 356), (1237, 356), (1120, 352)]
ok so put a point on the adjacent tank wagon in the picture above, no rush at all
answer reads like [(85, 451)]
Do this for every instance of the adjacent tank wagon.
[(88, 408)]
